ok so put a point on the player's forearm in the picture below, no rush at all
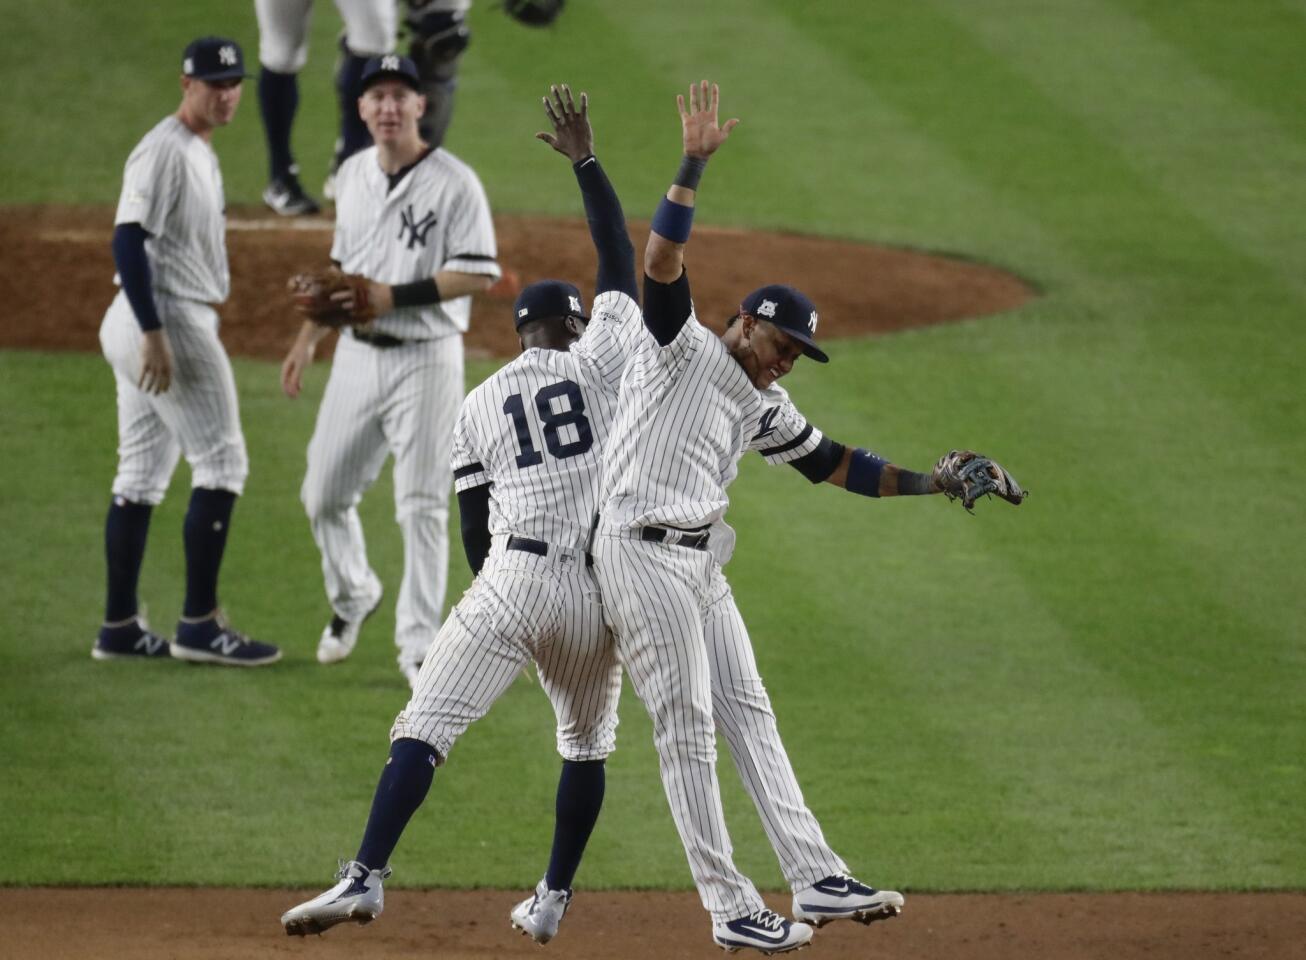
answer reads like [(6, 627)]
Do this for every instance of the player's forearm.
[(669, 232), (311, 334), (607, 223), (453, 283), (133, 266), (860, 471)]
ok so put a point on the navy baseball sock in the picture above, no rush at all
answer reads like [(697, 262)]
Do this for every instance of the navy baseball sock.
[(349, 79), (278, 99), (125, 531), (205, 535), (400, 791), (580, 798)]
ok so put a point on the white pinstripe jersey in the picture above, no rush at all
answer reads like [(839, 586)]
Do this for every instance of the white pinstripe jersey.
[(536, 429), (436, 218), (172, 187), (687, 414)]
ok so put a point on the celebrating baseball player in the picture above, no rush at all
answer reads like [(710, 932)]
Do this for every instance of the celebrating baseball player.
[(526, 449), (176, 392), (691, 404), (413, 241), (283, 50)]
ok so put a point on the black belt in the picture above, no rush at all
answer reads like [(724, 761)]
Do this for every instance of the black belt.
[(695, 541), (382, 340), (537, 547)]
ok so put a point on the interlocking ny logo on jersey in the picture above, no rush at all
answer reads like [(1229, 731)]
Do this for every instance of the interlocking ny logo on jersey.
[(416, 229), (767, 426)]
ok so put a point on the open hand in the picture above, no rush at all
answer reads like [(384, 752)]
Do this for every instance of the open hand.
[(572, 135), (702, 135), (156, 363)]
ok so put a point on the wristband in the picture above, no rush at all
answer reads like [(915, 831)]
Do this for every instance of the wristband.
[(690, 172), (416, 294), (673, 221), (864, 473)]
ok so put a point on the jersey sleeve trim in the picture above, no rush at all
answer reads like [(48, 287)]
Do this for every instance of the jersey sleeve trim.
[(468, 470), (786, 447)]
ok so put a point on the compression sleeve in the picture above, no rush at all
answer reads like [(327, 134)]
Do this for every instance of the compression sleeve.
[(133, 266), (667, 307), (607, 225), (818, 465), (474, 509)]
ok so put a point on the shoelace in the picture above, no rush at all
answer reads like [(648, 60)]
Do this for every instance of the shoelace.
[(767, 919)]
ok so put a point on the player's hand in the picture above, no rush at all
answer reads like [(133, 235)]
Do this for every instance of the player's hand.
[(293, 367), (698, 124), (378, 300), (156, 362), (572, 135)]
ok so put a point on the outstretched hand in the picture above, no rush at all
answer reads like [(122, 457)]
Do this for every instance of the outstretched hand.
[(702, 135), (572, 135)]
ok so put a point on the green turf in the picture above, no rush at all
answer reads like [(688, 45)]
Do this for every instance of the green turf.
[(1102, 690)]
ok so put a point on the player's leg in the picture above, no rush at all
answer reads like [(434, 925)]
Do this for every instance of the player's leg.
[(147, 456), (654, 595), (426, 389), (438, 36), (479, 652), (200, 409), (345, 455), (283, 51), (582, 678), (369, 32), (742, 708)]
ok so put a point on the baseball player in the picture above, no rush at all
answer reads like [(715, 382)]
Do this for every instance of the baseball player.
[(691, 405), (414, 220), (526, 449), (176, 393), (283, 50)]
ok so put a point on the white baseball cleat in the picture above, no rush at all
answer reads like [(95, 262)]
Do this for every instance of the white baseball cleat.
[(340, 636), (765, 931), (357, 898), (538, 916), (841, 897)]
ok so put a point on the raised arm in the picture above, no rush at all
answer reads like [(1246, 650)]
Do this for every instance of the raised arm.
[(666, 298), (573, 137)]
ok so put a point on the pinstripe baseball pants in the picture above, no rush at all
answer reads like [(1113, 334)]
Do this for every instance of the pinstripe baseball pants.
[(521, 606), (197, 416)]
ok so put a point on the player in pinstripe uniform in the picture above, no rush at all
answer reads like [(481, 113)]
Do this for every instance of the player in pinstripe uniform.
[(691, 404), (283, 50), (176, 393), (415, 221), (526, 447)]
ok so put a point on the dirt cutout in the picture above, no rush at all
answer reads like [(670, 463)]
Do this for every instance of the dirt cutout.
[(56, 278)]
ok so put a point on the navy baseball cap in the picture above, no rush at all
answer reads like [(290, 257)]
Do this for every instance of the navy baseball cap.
[(791, 311), (213, 58), (390, 66), (548, 298)]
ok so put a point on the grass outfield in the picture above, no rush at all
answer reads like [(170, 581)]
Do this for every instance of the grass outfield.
[(1102, 690)]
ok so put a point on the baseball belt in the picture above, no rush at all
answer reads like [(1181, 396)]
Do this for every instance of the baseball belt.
[(537, 547), (695, 539), (382, 341)]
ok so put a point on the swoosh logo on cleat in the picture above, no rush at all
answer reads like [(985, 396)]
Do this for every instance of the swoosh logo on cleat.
[(762, 933)]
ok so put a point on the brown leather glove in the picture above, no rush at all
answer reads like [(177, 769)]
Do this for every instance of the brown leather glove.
[(331, 297)]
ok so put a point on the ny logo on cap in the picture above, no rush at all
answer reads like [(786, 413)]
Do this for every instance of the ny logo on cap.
[(811, 323), (188, 66), (767, 308), (575, 303), (390, 62), (228, 56)]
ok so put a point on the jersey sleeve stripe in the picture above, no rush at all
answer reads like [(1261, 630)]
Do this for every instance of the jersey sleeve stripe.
[(468, 470), (785, 448)]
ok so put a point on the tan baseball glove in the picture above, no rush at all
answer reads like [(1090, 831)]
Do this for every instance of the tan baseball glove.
[(331, 297), (966, 476)]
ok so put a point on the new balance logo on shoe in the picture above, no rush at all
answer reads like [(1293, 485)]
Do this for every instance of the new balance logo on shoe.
[(149, 644), (225, 644)]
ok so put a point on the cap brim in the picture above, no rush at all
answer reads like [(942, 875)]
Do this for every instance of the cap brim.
[(810, 349)]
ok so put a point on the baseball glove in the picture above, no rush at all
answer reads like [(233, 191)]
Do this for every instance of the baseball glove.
[(331, 298), (533, 13), (966, 476)]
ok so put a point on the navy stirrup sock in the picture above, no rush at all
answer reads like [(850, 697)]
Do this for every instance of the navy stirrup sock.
[(205, 535), (125, 531), (278, 99), (400, 791), (580, 798), (349, 81)]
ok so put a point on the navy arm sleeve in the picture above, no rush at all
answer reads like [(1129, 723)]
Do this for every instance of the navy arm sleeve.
[(133, 267), (818, 465), (667, 307), (608, 230), (474, 509)]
